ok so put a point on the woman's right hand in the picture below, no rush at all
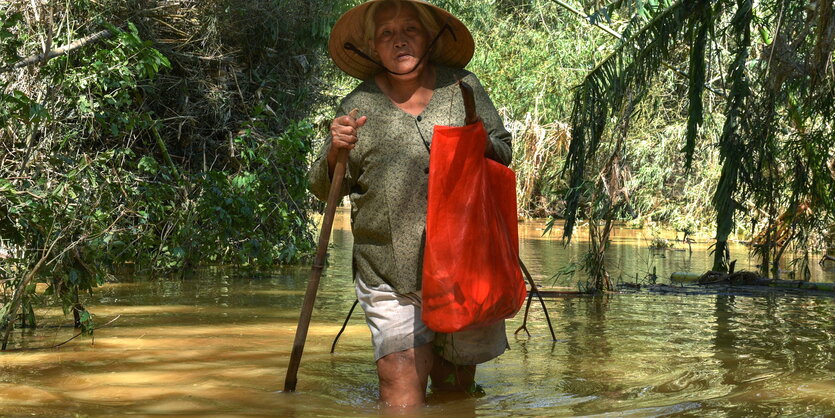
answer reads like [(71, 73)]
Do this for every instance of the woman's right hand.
[(344, 131), (343, 136)]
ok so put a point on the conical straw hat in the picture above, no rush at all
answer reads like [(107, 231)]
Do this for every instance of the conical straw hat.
[(454, 49)]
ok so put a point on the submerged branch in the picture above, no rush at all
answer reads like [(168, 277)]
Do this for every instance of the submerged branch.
[(49, 347), (7, 323)]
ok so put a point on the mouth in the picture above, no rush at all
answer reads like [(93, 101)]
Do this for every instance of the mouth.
[(402, 55)]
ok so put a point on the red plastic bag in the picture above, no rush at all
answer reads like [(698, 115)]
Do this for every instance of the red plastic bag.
[(471, 273)]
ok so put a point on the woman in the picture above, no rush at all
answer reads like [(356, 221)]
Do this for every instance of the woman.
[(409, 55)]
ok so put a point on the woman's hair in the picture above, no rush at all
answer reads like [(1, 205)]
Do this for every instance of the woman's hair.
[(425, 15)]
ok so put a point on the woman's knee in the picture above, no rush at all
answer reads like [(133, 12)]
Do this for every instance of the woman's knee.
[(404, 364)]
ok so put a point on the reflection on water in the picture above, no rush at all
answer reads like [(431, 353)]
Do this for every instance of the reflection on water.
[(220, 344), (629, 255)]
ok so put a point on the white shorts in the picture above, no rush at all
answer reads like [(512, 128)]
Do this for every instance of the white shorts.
[(395, 323)]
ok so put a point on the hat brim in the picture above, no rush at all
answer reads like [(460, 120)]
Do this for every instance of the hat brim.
[(455, 51)]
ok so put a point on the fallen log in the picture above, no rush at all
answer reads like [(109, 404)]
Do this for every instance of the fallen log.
[(799, 284), (684, 277), (556, 291), (747, 278)]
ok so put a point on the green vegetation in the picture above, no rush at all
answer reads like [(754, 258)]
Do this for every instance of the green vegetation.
[(161, 138), (165, 136), (775, 144)]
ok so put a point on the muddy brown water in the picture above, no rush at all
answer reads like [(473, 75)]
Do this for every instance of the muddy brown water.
[(219, 344)]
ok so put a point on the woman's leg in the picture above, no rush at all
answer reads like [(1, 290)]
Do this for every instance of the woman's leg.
[(403, 376), (451, 377), (456, 355)]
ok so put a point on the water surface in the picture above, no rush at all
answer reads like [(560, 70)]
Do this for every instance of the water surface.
[(219, 343)]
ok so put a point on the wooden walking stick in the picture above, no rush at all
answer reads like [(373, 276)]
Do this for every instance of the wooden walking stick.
[(318, 265)]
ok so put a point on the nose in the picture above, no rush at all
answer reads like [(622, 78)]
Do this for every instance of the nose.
[(400, 39)]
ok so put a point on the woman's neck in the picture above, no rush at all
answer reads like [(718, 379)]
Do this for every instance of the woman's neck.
[(410, 93)]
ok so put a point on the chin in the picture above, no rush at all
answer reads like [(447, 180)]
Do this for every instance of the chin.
[(402, 67)]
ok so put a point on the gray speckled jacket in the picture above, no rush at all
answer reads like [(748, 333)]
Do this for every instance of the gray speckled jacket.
[(386, 176)]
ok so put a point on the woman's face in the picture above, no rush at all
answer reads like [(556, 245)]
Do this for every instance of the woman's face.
[(400, 40)]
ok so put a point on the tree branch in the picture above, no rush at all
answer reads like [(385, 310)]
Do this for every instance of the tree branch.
[(34, 59)]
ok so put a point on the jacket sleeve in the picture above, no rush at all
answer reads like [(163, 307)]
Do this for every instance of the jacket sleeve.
[(318, 177), (496, 133)]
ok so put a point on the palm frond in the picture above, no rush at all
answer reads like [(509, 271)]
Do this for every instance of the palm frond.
[(731, 149), (699, 29), (633, 64)]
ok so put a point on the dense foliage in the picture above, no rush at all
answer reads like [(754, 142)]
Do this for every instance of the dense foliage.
[(775, 145), (165, 135)]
